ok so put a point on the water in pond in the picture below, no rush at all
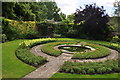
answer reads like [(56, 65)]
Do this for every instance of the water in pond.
[(74, 48)]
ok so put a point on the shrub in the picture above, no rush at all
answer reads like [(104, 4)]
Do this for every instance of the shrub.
[(101, 70), (19, 29), (109, 66), (90, 71), (4, 37), (26, 56)]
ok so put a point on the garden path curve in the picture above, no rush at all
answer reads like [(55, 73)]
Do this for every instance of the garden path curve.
[(51, 67)]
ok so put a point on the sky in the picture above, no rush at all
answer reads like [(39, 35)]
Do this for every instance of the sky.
[(69, 6)]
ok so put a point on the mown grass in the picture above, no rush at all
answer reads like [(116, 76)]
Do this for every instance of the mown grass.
[(68, 76), (12, 67)]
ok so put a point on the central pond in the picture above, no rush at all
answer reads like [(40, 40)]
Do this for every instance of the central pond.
[(74, 48)]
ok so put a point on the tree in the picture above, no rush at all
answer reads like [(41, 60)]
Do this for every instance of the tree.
[(117, 14), (95, 21), (7, 10), (71, 17), (117, 8)]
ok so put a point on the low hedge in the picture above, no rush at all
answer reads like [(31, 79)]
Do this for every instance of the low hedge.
[(110, 66), (34, 42), (26, 56), (49, 48), (100, 52)]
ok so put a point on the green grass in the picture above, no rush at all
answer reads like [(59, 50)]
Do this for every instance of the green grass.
[(12, 67), (68, 75)]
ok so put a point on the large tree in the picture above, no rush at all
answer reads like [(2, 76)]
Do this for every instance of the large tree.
[(95, 21)]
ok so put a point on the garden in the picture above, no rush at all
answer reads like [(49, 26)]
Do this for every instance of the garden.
[(41, 42)]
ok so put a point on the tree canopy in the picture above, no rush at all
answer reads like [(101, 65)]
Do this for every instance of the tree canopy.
[(95, 21), (29, 11)]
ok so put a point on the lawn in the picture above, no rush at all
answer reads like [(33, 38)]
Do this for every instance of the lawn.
[(11, 66), (68, 75)]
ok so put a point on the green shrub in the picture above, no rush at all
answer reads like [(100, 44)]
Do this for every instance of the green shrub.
[(26, 56), (90, 71), (109, 66), (19, 29), (4, 37), (101, 70)]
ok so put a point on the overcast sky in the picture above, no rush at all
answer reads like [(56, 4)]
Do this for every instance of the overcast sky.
[(69, 6)]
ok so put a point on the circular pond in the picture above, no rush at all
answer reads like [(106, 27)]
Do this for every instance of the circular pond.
[(74, 48)]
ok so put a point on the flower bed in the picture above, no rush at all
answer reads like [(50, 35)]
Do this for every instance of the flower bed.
[(23, 52), (110, 66)]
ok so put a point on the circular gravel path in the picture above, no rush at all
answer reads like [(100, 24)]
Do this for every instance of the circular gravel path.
[(51, 67)]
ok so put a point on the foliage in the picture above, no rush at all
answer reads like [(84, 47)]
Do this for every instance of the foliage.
[(71, 18), (26, 56), (11, 32), (100, 51), (109, 66), (30, 11), (117, 7), (4, 37), (34, 42), (115, 39), (19, 30), (95, 21), (114, 22)]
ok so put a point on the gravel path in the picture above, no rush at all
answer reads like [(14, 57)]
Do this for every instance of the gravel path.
[(51, 67)]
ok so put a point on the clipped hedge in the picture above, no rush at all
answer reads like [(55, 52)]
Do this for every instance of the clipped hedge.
[(110, 66), (26, 56), (19, 29), (100, 52)]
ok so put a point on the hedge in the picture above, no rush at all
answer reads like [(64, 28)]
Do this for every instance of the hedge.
[(49, 48), (19, 29)]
